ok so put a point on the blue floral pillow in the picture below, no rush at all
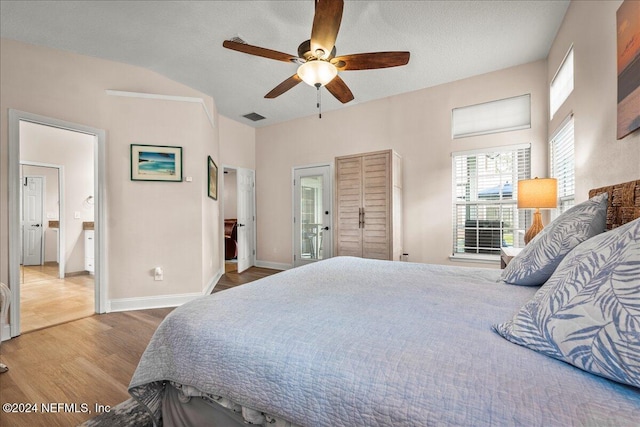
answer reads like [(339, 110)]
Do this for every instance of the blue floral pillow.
[(539, 259), (588, 312)]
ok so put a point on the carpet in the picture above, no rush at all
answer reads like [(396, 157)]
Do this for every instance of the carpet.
[(126, 414)]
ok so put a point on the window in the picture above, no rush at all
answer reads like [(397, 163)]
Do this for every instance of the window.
[(561, 84), (561, 164), (491, 117), (485, 209)]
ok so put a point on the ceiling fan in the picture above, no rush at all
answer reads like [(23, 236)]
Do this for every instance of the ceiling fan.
[(318, 64)]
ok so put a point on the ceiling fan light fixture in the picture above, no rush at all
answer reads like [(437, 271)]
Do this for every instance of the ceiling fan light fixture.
[(317, 72)]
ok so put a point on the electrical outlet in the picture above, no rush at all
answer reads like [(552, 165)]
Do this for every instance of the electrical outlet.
[(158, 274), (76, 215)]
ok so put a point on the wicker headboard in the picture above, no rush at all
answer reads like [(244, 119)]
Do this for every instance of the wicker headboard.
[(624, 202)]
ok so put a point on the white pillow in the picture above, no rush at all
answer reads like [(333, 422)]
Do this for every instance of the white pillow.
[(588, 312), (539, 259)]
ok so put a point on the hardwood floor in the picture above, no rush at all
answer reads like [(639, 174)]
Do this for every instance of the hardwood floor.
[(232, 278), (88, 361), (46, 300)]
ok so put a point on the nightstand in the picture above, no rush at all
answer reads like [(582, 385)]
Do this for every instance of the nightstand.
[(507, 254)]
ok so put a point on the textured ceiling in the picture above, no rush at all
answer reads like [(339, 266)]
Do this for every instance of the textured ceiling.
[(448, 40)]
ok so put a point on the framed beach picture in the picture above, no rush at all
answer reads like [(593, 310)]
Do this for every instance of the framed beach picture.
[(156, 163), (213, 178), (628, 23)]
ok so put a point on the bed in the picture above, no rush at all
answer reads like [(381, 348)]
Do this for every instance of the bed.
[(357, 342)]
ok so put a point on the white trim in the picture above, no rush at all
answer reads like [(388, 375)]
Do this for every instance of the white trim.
[(273, 265), (101, 285), (484, 259), (61, 217), (213, 282), (329, 186), (144, 303), (5, 333), (222, 190), (143, 95), (561, 126)]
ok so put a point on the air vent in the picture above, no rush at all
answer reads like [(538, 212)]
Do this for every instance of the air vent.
[(254, 117)]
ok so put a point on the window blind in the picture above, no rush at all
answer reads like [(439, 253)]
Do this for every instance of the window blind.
[(562, 164), (490, 117), (485, 210), (561, 84)]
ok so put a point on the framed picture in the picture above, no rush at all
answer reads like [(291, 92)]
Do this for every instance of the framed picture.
[(213, 178), (156, 163), (628, 23)]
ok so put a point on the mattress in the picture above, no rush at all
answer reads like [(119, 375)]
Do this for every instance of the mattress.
[(356, 342)]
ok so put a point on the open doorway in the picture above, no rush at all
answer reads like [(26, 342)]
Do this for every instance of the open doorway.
[(239, 218), (230, 178), (56, 179), (56, 282)]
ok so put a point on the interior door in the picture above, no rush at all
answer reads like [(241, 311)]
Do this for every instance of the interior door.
[(312, 215), (246, 218), (32, 226)]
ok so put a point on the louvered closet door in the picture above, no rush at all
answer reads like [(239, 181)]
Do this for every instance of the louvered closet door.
[(376, 204), (349, 198)]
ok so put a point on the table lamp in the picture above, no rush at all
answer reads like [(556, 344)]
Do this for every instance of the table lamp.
[(537, 193)]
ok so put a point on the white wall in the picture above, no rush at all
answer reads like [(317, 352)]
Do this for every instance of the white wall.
[(600, 159), (237, 144), (148, 224), (74, 151), (417, 126)]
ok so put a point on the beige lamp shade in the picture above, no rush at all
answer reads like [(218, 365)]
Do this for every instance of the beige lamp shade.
[(538, 193), (535, 194)]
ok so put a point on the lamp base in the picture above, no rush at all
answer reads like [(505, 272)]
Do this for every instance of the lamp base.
[(535, 228)]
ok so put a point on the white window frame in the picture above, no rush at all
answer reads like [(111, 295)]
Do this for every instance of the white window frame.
[(500, 205), (562, 83), (562, 164)]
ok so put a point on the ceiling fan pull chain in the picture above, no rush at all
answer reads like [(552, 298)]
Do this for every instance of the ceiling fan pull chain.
[(319, 102)]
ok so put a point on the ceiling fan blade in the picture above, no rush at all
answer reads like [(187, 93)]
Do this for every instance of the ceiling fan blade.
[(259, 51), (284, 86), (370, 61), (338, 88), (326, 23)]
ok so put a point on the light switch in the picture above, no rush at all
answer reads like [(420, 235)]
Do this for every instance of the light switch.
[(76, 215)]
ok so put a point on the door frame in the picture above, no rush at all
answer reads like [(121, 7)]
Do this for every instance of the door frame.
[(101, 285), (253, 239), (293, 205), (61, 227)]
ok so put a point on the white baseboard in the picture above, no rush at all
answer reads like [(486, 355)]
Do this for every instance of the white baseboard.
[(5, 332), (144, 303), (212, 283), (160, 301), (273, 265)]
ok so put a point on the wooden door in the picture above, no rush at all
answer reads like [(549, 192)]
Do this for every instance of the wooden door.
[(376, 230), (348, 207)]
